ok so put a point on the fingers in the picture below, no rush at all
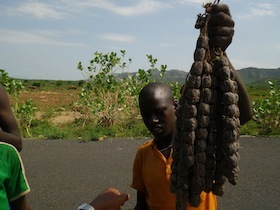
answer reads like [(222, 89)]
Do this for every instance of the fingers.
[(216, 8), (220, 36), (111, 190), (220, 31), (221, 19), (122, 198), (222, 41), (220, 26)]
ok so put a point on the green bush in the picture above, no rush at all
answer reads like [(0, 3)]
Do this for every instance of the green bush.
[(266, 112), (111, 98)]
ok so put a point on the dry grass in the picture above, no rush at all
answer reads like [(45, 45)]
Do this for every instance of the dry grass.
[(58, 102), (45, 100)]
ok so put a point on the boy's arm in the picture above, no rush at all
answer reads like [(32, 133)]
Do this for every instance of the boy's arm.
[(141, 201), (221, 31), (20, 204), (9, 131)]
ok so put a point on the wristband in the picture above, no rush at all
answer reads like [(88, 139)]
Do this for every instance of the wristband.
[(85, 206)]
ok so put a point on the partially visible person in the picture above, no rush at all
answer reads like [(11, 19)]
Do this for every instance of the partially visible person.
[(9, 131), (13, 182), (109, 199)]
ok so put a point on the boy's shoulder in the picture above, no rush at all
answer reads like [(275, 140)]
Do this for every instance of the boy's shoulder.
[(146, 145), (5, 147), (8, 154)]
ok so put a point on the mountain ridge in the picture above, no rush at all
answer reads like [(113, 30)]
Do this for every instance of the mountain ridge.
[(248, 75)]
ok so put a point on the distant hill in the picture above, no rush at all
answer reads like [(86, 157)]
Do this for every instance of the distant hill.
[(173, 75), (252, 75), (249, 75)]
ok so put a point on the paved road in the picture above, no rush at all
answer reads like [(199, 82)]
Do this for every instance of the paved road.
[(62, 174)]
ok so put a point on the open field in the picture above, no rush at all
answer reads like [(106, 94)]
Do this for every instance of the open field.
[(51, 99), (57, 109)]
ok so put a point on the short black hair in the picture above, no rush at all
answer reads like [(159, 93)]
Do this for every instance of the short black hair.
[(150, 89)]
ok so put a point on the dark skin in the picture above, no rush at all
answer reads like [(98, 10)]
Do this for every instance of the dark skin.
[(220, 26), (20, 204), (162, 109), (9, 132), (110, 199), (220, 32), (157, 108)]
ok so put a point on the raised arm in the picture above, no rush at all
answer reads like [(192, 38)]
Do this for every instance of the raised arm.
[(221, 31), (9, 132)]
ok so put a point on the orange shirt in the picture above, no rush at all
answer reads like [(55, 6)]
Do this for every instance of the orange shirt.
[(151, 174)]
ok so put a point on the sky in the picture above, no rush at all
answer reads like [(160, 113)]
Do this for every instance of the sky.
[(46, 39)]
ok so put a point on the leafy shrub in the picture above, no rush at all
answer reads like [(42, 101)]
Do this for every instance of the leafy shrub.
[(109, 98), (24, 112), (266, 112), (36, 84)]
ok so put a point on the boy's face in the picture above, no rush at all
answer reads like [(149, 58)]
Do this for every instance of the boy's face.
[(158, 113)]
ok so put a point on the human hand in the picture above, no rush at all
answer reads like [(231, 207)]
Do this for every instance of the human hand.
[(220, 26), (109, 199)]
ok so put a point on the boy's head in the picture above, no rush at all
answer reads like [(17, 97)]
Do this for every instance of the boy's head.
[(157, 107)]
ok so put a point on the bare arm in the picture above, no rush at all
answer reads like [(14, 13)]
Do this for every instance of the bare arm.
[(141, 201), (9, 132), (221, 31), (20, 204)]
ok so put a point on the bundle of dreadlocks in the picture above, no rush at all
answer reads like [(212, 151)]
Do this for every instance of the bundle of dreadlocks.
[(205, 144)]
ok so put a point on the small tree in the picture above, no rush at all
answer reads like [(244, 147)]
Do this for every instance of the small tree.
[(266, 111), (110, 97)]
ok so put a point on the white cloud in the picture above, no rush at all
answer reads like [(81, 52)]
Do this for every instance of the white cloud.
[(39, 10), (60, 9), (259, 9), (137, 8), (263, 9), (33, 37), (193, 2), (118, 38)]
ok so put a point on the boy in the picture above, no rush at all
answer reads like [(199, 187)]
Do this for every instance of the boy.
[(151, 170), (152, 165)]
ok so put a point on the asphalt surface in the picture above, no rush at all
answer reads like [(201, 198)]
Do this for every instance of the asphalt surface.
[(63, 174)]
